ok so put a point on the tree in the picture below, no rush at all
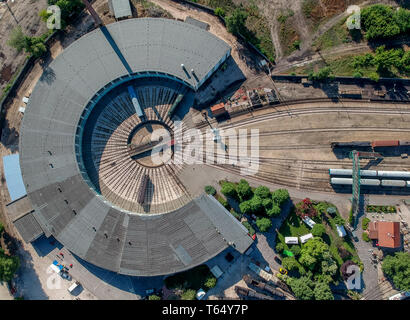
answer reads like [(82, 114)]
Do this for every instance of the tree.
[(154, 297), (322, 291), (290, 263), (295, 250), (378, 21), (322, 75), (210, 282), (244, 190), (302, 288), (188, 295), (263, 224), (384, 59), (8, 266), (280, 247), (402, 17), (33, 45), (313, 252), (17, 39), (246, 207), (280, 196), (256, 205), (273, 211), (229, 190), (405, 63), (328, 265), (267, 203), (235, 22), (262, 192), (365, 223), (210, 190), (318, 230), (397, 268), (68, 8)]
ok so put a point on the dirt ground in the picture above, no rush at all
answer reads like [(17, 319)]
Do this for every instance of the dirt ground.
[(26, 14)]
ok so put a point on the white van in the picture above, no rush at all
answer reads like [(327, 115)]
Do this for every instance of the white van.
[(74, 286)]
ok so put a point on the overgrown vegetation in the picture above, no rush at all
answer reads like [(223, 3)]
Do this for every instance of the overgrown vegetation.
[(315, 264), (69, 9), (397, 269), (188, 282), (8, 266), (34, 46), (246, 20), (259, 202)]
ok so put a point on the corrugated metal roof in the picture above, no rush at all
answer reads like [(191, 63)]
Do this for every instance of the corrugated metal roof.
[(14, 179), (28, 227), (121, 8)]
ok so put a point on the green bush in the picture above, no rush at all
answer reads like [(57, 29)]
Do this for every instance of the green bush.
[(8, 266), (220, 12), (351, 218), (365, 223), (249, 227), (397, 268), (280, 247), (225, 203), (188, 295), (262, 192), (264, 224), (154, 297), (244, 190), (235, 22), (235, 214), (280, 196), (318, 230), (274, 211), (322, 75), (210, 282), (229, 190), (295, 249), (210, 190), (365, 237)]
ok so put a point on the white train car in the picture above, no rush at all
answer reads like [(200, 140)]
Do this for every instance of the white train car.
[(340, 172), (348, 172), (349, 181), (343, 181), (393, 183), (394, 174), (408, 184), (370, 182)]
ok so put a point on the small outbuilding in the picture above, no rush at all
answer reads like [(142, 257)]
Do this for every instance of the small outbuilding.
[(306, 237), (341, 231), (291, 240)]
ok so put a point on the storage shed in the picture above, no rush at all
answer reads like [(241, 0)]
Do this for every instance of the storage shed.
[(306, 237), (291, 240)]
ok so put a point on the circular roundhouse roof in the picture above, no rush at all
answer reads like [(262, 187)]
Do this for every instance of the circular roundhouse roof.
[(65, 205)]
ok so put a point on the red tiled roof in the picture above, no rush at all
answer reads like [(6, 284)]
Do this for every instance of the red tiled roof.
[(388, 234)]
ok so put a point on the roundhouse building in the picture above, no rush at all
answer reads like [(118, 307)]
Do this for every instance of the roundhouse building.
[(86, 187)]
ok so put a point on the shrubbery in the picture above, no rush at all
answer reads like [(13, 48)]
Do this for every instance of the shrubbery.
[(8, 266), (365, 237), (365, 223), (210, 190), (318, 230), (263, 224), (397, 268)]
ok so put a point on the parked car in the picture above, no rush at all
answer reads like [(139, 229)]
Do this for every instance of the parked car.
[(278, 260), (200, 294)]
